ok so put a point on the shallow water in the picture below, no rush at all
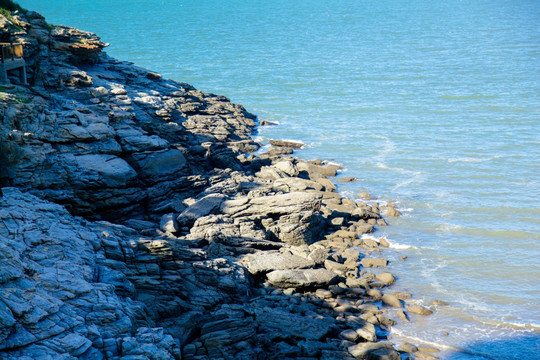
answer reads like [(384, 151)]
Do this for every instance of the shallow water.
[(433, 105)]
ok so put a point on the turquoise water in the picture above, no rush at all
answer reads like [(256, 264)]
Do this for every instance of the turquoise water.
[(433, 105)]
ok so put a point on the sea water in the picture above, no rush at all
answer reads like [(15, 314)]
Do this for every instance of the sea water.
[(434, 105)]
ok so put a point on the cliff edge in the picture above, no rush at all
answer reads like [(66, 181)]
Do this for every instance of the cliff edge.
[(136, 222)]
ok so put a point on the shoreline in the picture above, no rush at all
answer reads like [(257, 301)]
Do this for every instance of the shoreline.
[(222, 254)]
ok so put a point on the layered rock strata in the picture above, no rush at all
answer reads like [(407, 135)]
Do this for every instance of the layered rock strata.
[(136, 223)]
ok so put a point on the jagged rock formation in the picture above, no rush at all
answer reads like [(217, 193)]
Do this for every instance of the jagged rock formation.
[(136, 223)]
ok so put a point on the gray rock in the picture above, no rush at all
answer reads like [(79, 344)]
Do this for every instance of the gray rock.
[(168, 223), (263, 262), (203, 207), (292, 324), (159, 164), (101, 170), (302, 278), (277, 205)]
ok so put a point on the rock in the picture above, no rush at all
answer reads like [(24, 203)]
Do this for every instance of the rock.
[(104, 170), (159, 164), (317, 171), (362, 350), (384, 243), (349, 335), (385, 278), (370, 262), (408, 347), (402, 315), (263, 262), (295, 184), (384, 354), (402, 295), (328, 185), (428, 349), (289, 324), (336, 267), (367, 332), (424, 356), (277, 205), (302, 278), (267, 123), (391, 300), (347, 179), (287, 143), (168, 223), (365, 196), (323, 293), (419, 310), (203, 207), (438, 303), (374, 293)]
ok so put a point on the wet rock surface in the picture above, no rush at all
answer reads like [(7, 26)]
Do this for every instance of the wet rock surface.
[(136, 223)]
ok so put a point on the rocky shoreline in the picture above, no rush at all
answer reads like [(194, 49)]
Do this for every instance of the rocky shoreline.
[(136, 222)]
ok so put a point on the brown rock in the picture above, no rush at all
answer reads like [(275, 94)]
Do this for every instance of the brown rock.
[(408, 347), (438, 303), (370, 262), (392, 212), (402, 295), (424, 356), (384, 243), (419, 310), (347, 179), (287, 143), (391, 300), (386, 278), (402, 315), (428, 349)]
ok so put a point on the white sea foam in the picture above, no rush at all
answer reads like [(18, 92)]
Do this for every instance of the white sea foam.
[(448, 227), (417, 177), (418, 340), (393, 244), (473, 160)]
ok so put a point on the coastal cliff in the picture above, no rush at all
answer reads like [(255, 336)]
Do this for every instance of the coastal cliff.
[(138, 222)]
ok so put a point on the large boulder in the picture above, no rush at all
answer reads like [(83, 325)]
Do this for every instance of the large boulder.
[(263, 262), (205, 206), (100, 170), (272, 206), (302, 278)]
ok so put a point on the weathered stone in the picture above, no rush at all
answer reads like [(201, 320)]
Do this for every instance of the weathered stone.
[(384, 354), (362, 350), (276, 205), (203, 207), (370, 262), (408, 347), (263, 262), (287, 143), (419, 310), (168, 223), (293, 325), (302, 278), (385, 278), (391, 300)]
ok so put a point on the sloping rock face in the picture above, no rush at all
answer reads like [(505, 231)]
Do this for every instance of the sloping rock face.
[(136, 222), (109, 139)]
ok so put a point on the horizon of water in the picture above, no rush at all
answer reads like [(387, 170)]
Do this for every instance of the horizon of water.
[(432, 105)]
